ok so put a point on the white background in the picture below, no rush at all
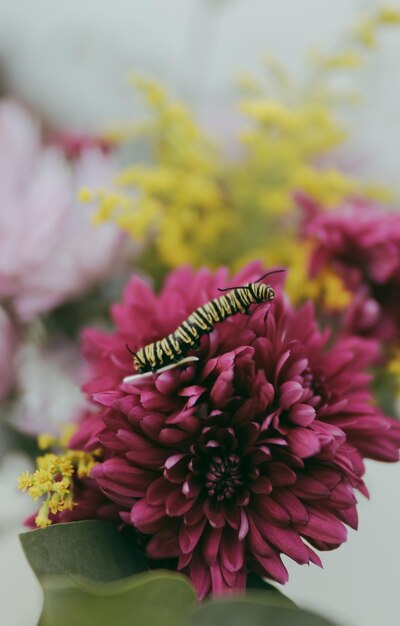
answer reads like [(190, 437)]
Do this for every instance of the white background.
[(70, 60)]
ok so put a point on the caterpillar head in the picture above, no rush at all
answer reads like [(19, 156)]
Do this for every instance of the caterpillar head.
[(263, 293)]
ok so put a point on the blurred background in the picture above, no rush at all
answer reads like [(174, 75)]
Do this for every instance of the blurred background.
[(69, 63), (72, 63)]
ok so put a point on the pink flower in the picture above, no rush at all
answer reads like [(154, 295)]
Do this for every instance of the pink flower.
[(50, 251), (48, 380), (8, 345), (361, 243), (252, 452)]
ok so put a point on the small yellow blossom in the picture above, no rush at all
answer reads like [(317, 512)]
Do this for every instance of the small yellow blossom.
[(155, 94), (85, 195), (36, 491), (46, 440), (388, 15), (347, 59), (42, 518), (328, 292), (394, 364), (364, 33), (25, 481), (66, 434), (47, 462), (248, 84)]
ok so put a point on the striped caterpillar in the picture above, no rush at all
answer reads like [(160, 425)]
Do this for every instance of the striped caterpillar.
[(171, 351)]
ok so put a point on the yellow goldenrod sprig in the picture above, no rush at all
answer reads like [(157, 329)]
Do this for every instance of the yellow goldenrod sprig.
[(54, 477), (190, 198), (365, 32)]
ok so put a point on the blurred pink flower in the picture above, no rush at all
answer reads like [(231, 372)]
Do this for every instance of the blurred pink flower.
[(8, 345), (50, 251), (74, 145), (361, 243), (254, 451), (48, 383)]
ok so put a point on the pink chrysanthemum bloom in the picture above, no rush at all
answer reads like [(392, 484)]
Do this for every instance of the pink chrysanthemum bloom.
[(361, 243), (252, 452)]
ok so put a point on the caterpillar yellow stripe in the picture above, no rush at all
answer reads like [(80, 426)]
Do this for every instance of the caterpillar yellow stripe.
[(172, 350)]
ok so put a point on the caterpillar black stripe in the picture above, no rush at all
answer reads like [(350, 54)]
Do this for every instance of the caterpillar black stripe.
[(172, 350)]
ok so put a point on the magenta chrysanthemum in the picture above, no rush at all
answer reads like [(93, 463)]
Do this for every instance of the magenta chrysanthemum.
[(252, 452), (362, 244)]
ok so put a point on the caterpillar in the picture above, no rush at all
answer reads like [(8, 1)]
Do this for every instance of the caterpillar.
[(171, 351)]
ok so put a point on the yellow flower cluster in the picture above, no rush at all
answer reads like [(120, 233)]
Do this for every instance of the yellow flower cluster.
[(53, 478), (283, 145), (191, 205), (177, 202)]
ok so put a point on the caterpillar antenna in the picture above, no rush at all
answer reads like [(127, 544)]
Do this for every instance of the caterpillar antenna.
[(130, 351), (269, 274), (257, 281)]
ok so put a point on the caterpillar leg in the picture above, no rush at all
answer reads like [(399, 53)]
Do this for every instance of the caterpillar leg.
[(135, 377)]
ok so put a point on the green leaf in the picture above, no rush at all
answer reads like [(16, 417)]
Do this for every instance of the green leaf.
[(255, 582), (89, 549), (151, 599), (254, 609), (85, 569)]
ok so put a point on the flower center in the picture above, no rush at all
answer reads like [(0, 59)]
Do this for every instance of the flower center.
[(224, 476), (315, 383)]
